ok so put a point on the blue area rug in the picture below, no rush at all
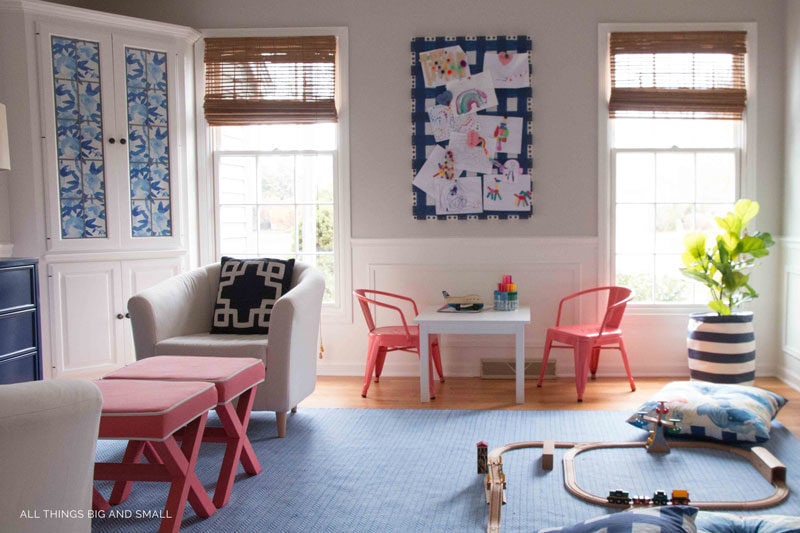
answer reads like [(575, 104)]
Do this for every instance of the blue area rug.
[(365, 470)]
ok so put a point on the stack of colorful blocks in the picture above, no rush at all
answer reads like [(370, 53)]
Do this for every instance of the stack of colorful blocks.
[(505, 297)]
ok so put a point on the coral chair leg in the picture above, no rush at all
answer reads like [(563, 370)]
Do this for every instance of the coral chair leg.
[(594, 361), (379, 363), (431, 390), (548, 344), (437, 356), (583, 354), (372, 357), (627, 365)]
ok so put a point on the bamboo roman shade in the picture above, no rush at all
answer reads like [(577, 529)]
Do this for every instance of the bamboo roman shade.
[(269, 80), (678, 74)]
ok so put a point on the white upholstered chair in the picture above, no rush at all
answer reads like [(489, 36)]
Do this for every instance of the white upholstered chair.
[(48, 436), (174, 318)]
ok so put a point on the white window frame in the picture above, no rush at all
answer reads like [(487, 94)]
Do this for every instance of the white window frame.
[(605, 196), (341, 310)]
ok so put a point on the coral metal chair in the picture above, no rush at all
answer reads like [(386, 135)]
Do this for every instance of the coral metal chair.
[(586, 340), (385, 339)]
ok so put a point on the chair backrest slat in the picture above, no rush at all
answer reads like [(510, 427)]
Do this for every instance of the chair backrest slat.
[(618, 298), (367, 297), (364, 302)]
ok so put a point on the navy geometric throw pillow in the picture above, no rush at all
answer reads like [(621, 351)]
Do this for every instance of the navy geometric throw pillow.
[(248, 289)]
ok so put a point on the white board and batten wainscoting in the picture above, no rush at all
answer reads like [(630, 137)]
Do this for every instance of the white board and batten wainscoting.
[(545, 269)]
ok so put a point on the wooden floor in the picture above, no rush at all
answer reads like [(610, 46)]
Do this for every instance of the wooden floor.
[(475, 393)]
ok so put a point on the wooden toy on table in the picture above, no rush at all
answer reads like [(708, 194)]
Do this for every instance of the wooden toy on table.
[(469, 302)]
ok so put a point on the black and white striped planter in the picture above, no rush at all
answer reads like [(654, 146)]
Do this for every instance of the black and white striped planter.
[(722, 348)]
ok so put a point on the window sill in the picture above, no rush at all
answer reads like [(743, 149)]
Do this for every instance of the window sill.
[(651, 309)]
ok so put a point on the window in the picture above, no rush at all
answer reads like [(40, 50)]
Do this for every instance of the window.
[(276, 140), (663, 190), (675, 151), (275, 193)]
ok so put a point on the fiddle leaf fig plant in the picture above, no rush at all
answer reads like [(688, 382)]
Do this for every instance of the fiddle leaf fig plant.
[(724, 264)]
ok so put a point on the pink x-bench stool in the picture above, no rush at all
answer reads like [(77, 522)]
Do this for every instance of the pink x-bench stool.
[(148, 414), (233, 377)]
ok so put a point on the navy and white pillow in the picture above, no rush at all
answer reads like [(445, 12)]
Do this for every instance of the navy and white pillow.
[(666, 519), (716, 522), (248, 290)]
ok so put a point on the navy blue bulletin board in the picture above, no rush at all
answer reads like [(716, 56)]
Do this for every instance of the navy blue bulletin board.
[(439, 70)]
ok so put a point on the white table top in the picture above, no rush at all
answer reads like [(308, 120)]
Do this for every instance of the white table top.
[(463, 322), (486, 315)]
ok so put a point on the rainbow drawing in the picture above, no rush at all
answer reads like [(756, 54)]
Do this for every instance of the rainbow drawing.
[(471, 99)]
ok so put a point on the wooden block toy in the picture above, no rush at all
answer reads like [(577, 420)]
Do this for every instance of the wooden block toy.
[(548, 448)]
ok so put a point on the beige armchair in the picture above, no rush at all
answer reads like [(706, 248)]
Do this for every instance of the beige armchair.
[(48, 436), (174, 318)]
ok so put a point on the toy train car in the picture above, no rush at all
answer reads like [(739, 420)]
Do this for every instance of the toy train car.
[(660, 498), (680, 497), (619, 497)]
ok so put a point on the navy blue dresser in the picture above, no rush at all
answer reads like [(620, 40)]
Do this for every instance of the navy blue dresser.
[(20, 339)]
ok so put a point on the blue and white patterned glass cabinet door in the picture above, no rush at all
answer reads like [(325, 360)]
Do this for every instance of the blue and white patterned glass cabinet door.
[(151, 210), (110, 161), (78, 121)]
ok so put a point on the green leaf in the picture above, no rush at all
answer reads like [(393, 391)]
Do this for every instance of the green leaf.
[(731, 223), (746, 210), (729, 241), (719, 307), (701, 276), (695, 244), (734, 280), (754, 246)]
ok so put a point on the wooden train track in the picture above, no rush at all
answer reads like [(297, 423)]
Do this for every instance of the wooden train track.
[(762, 460)]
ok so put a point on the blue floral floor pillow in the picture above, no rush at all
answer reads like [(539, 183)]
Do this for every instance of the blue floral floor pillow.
[(722, 412)]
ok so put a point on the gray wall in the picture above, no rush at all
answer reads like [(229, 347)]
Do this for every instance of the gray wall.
[(791, 226), (790, 363), (564, 34)]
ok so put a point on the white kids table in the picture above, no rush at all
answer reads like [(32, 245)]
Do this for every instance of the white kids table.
[(488, 322)]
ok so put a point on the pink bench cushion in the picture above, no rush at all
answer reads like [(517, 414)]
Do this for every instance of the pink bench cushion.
[(231, 375), (151, 410)]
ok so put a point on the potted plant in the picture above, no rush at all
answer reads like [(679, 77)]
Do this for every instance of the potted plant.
[(722, 343)]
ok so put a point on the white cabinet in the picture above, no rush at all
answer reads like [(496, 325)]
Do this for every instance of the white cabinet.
[(90, 329), (113, 118), (113, 105)]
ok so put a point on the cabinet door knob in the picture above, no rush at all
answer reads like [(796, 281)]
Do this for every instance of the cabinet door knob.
[(120, 316), (122, 140), (127, 315), (111, 140)]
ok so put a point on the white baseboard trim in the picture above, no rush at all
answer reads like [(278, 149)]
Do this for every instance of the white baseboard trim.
[(790, 378)]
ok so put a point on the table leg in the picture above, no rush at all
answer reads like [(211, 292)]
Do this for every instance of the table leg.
[(424, 361), (520, 363)]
